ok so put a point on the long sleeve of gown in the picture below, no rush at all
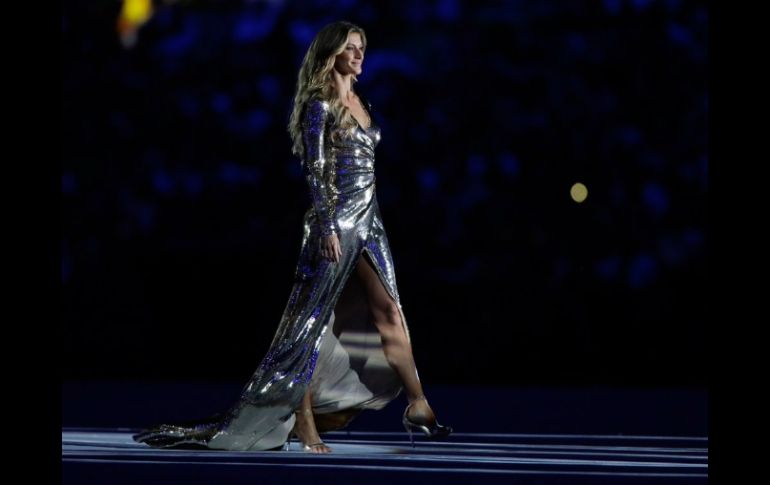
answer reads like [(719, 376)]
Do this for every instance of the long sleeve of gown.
[(318, 172)]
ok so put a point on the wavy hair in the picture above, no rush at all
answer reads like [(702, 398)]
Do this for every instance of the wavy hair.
[(316, 78)]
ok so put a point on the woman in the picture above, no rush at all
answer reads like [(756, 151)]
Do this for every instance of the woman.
[(343, 344)]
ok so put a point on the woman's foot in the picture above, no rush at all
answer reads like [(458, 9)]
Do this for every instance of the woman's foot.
[(419, 411), (418, 416), (306, 432)]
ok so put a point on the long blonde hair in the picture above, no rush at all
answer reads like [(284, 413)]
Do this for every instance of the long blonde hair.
[(316, 78)]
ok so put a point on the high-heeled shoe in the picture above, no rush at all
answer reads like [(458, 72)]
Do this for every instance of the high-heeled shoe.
[(433, 431), (305, 447)]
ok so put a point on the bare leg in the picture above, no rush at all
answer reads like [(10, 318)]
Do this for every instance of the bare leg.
[(305, 428), (398, 350)]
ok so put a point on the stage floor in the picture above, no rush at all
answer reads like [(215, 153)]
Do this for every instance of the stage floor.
[(380, 457), (558, 435)]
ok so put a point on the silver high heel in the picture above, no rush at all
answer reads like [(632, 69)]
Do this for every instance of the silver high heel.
[(433, 431)]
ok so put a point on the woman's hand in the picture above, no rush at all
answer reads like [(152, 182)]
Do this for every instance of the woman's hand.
[(330, 248)]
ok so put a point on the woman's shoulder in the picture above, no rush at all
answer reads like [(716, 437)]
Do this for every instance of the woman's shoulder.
[(316, 110), (317, 103)]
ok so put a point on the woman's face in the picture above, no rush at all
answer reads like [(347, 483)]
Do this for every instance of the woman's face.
[(351, 59)]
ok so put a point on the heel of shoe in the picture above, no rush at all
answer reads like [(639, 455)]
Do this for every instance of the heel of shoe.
[(408, 429)]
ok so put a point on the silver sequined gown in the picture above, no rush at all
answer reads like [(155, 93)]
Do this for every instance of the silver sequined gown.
[(325, 338)]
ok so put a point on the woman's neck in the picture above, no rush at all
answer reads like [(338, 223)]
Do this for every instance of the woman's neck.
[(343, 83)]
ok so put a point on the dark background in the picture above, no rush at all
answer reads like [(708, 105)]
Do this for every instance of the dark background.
[(182, 203)]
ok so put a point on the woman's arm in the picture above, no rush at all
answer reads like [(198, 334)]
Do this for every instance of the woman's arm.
[(315, 163)]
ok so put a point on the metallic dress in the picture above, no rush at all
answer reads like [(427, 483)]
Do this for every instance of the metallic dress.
[(326, 339)]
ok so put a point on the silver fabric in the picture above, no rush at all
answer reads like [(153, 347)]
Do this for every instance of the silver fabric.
[(325, 338)]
